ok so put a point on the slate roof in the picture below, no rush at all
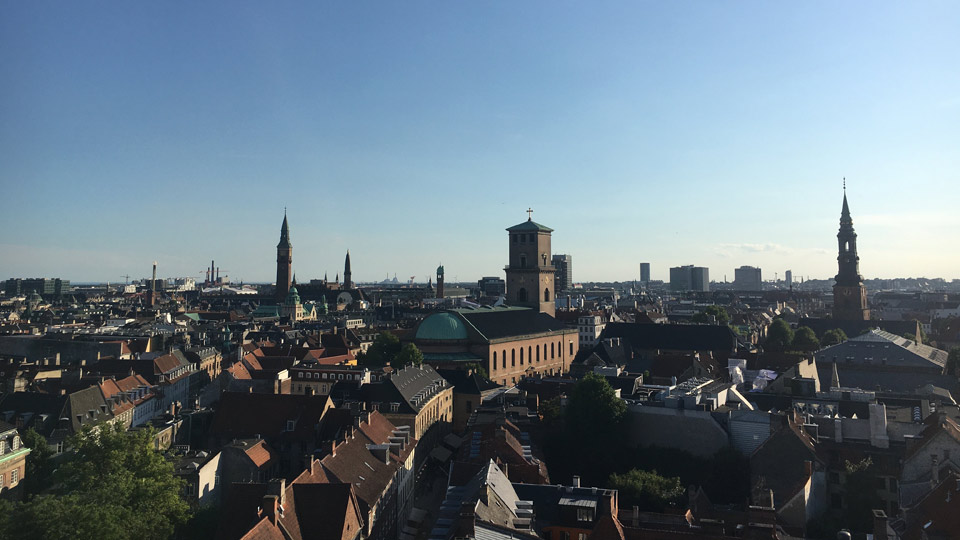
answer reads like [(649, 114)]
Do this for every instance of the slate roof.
[(880, 348), (778, 463), (679, 337), (530, 226), (467, 384), (493, 324)]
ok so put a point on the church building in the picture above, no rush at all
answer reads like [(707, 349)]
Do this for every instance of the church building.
[(531, 274)]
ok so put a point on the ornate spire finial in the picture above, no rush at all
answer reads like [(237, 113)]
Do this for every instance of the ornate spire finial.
[(529, 214), (844, 185)]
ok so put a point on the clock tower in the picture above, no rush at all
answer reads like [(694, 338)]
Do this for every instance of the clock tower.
[(849, 294)]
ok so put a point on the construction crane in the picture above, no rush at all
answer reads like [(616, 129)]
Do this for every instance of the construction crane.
[(127, 277)]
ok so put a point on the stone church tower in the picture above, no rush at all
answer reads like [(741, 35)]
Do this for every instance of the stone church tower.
[(284, 261), (849, 294), (530, 274)]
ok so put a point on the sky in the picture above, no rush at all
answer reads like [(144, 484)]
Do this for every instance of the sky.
[(413, 133)]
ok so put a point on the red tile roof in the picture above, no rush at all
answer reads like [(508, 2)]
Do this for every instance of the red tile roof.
[(260, 454)]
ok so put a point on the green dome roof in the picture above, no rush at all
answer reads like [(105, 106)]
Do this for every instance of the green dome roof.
[(442, 326)]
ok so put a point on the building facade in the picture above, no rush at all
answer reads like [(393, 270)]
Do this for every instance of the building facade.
[(645, 272), (13, 457), (689, 278)]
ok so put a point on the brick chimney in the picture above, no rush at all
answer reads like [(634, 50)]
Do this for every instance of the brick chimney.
[(879, 525), (271, 505)]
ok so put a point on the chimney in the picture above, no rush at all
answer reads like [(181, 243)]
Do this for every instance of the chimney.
[(576, 481), (271, 505), (879, 525), (277, 486)]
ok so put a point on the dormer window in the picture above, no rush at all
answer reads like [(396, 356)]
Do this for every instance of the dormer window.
[(394, 407), (291, 425)]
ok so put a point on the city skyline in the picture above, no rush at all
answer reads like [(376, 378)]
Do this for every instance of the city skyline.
[(703, 134)]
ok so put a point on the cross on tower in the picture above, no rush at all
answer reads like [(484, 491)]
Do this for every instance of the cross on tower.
[(529, 214)]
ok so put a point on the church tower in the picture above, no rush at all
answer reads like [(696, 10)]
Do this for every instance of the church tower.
[(284, 261), (440, 281), (531, 274), (849, 294), (347, 282)]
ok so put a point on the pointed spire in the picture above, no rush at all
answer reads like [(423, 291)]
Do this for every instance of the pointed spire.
[(284, 232), (834, 377)]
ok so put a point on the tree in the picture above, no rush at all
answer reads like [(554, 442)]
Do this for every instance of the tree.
[(114, 486), (833, 337), (478, 369), (723, 318), (409, 355), (779, 336), (383, 350), (805, 340), (593, 421), (860, 495), (39, 468), (953, 361), (647, 489)]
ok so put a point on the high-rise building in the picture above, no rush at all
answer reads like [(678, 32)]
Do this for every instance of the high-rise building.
[(284, 261), (564, 273), (690, 278), (530, 274), (645, 272), (747, 278), (42, 286), (849, 294), (789, 278)]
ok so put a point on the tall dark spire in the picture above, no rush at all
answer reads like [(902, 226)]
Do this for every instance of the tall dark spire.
[(284, 233), (284, 260), (849, 294), (347, 275)]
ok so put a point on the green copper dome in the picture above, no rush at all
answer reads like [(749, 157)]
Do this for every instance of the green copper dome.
[(293, 297), (442, 326)]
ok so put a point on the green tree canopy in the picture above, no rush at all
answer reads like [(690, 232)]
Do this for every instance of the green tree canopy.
[(805, 339), (409, 355), (646, 489), (779, 336), (383, 350), (593, 409), (833, 337), (953, 360), (723, 318), (39, 468), (114, 486)]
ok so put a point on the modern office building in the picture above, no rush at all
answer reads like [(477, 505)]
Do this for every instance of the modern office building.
[(645, 272), (564, 272), (690, 278), (747, 278)]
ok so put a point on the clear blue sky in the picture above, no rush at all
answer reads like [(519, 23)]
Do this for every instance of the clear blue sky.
[(413, 133)]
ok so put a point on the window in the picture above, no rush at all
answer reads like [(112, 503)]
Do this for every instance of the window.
[(546, 295), (516, 238), (504, 359), (530, 353), (571, 348), (538, 353), (494, 359), (1, 481), (14, 476), (582, 536), (291, 424), (394, 407), (521, 356), (523, 262), (3, 447), (513, 357), (584, 514), (552, 352)]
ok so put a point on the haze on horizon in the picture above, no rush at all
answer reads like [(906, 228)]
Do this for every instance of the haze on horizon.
[(413, 134)]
